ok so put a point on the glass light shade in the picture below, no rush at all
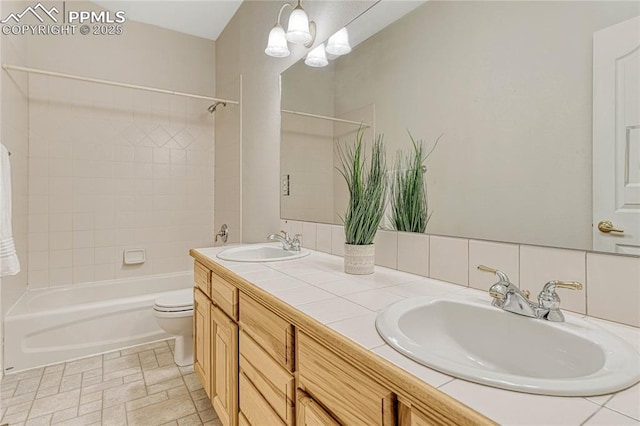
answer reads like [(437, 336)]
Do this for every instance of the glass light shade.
[(298, 29), (338, 43), (277, 45), (317, 57)]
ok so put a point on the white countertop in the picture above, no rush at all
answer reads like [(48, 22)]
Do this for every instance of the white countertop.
[(349, 304)]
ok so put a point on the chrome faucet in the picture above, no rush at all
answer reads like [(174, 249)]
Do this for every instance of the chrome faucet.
[(510, 298), (287, 243)]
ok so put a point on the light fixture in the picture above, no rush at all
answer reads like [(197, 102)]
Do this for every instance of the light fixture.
[(277, 46), (317, 57), (338, 43), (300, 30)]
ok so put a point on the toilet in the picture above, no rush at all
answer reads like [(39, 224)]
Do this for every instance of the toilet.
[(174, 313)]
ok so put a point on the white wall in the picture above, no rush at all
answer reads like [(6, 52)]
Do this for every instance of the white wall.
[(509, 85), (240, 50)]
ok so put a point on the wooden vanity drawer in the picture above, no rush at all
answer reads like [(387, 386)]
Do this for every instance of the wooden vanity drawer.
[(224, 295), (202, 278), (350, 396), (254, 407), (273, 381), (272, 333)]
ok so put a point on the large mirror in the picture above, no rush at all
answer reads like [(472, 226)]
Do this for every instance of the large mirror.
[(509, 85)]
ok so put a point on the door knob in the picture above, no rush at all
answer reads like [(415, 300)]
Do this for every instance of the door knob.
[(606, 226)]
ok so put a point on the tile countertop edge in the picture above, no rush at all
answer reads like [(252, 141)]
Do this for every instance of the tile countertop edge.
[(519, 404)]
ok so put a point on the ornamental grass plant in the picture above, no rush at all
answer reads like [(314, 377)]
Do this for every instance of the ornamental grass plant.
[(367, 188), (409, 203)]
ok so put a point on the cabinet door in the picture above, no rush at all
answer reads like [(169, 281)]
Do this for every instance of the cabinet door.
[(310, 413), (202, 339), (224, 362), (352, 397)]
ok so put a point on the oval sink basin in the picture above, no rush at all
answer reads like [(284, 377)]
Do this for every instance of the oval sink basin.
[(484, 344), (261, 253)]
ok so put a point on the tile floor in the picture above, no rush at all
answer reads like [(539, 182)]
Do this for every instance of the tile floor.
[(135, 386)]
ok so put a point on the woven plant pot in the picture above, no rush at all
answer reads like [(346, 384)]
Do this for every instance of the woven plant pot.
[(359, 260)]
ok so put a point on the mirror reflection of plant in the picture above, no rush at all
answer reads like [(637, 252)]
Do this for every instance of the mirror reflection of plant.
[(367, 188), (409, 203)]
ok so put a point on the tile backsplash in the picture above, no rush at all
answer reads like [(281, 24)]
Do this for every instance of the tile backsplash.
[(112, 169), (611, 282)]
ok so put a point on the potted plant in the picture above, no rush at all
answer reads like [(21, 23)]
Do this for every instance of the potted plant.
[(367, 193), (409, 206)]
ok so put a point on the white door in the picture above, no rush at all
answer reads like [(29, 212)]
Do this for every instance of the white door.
[(616, 138)]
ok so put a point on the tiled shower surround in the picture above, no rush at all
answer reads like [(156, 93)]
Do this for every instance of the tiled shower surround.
[(111, 169)]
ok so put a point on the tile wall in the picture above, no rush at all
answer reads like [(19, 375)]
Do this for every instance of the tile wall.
[(611, 282), (112, 169)]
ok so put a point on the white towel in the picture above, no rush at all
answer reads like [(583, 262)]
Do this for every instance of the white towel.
[(9, 263)]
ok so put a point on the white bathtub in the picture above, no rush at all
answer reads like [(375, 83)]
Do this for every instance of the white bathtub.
[(58, 324)]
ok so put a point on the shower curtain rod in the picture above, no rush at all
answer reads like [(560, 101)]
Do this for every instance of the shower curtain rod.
[(115, 83), (324, 117)]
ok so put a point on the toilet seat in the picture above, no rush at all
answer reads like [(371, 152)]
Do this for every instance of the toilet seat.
[(175, 301)]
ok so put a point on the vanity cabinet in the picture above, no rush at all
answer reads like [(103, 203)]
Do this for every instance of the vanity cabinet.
[(351, 396), (310, 413), (202, 339), (264, 363)]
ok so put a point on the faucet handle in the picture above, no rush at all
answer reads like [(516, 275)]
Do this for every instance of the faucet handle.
[(285, 234), (503, 277), (549, 299)]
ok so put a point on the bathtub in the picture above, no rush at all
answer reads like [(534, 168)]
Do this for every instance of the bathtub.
[(59, 324)]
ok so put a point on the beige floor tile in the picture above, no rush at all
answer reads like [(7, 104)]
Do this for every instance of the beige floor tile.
[(159, 351), (89, 381), (102, 386), (82, 365), (122, 373), (192, 382), (121, 394), (142, 348), (133, 377), (90, 397), (146, 401), (173, 383), (85, 420), (111, 355), (89, 407), (15, 418), (186, 370), (20, 408), (46, 392), (171, 409), (199, 394), (161, 374), (92, 373), (53, 379), (177, 391), (15, 400), (71, 382), (203, 405), (192, 420), (121, 363), (214, 422), (55, 403), (64, 415), (40, 421), (208, 415), (56, 368), (27, 374), (165, 358), (7, 389), (148, 360), (114, 416), (173, 423), (27, 386)]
